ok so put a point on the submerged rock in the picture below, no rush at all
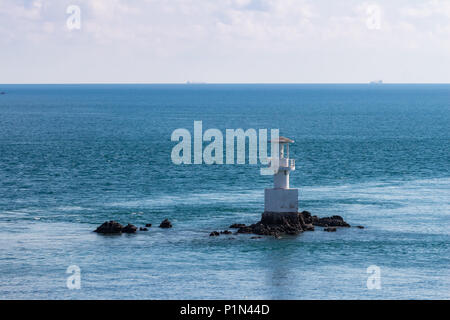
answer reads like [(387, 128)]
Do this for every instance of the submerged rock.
[(109, 227), (148, 225), (330, 229), (236, 225), (143, 229), (165, 224), (217, 233), (129, 228), (360, 227)]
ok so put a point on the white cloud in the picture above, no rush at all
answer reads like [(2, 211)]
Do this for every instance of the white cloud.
[(427, 9), (223, 40)]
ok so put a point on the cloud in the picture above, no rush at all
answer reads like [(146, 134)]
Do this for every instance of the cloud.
[(222, 40), (427, 9)]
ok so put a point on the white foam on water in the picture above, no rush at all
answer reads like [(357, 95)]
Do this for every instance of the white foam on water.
[(70, 208), (215, 198), (419, 206), (389, 197), (431, 191)]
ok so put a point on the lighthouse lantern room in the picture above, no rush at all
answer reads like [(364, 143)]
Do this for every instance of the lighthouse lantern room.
[(281, 198)]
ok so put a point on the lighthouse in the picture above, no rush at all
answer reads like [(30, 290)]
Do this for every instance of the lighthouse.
[(281, 198)]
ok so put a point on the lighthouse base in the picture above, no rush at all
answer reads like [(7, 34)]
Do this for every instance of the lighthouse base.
[(281, 200), (278, 223)]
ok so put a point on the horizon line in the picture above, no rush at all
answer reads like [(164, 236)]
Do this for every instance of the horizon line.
[(225, 83)]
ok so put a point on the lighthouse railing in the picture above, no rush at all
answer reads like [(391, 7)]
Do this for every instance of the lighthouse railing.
[(291, 163)]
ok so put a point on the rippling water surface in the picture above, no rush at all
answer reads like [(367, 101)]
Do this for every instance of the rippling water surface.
[(73, 156)]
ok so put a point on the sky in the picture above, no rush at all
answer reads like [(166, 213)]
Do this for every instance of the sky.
[(224, 41)]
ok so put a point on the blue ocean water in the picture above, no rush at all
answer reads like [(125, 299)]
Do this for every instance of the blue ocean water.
[(74, 156)]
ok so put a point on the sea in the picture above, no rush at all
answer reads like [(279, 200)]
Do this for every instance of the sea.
[(75, 156)]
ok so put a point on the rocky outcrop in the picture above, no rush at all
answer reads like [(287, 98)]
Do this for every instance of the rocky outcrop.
[(308, 218), (217, 233), (109, 227), (165, 224), (129, 228), (291, 223), (274, 224), (334, 221), (113, 227), (330, 229)]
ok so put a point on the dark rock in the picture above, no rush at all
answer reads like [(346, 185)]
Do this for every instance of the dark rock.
[(274, 224), (307, 218), (214, 234), (109, 227), (129, 228), (360, 227), (148, 225), (236, 225), (330, 229), (143, 229), (226, 232), (334, 221), (166, 224), (291, 223), (256, 237), (245, 229)]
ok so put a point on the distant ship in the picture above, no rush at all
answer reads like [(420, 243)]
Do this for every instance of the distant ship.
[(376, 82), (195, 82)]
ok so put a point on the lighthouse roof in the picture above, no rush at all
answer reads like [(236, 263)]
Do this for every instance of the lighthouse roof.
[(282, 139)]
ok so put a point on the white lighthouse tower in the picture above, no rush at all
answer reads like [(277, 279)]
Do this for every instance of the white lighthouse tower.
[(281, 198)]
